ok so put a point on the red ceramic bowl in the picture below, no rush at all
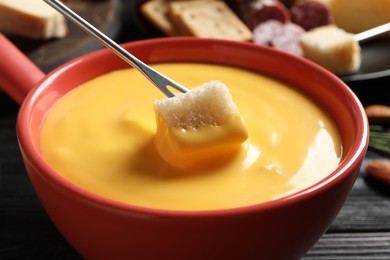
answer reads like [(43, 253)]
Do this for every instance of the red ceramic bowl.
[(99, 228)]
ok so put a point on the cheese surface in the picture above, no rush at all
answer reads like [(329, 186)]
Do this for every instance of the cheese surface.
[(100, 136)]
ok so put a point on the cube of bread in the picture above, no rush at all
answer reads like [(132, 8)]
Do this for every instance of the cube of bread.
[(199, 125), (33, 19), (332, 48)]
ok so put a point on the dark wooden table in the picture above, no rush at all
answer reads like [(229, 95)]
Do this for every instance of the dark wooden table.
[(361, 230)]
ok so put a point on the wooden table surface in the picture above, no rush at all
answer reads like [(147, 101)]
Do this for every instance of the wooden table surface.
[(361, 230)]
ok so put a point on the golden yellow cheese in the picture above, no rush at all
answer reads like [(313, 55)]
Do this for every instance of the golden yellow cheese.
[(100, 136)]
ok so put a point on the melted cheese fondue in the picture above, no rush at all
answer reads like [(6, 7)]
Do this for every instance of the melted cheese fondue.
[(100, 137)]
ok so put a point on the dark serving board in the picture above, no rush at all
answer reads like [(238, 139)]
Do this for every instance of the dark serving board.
[(49, 54), (372, 82)]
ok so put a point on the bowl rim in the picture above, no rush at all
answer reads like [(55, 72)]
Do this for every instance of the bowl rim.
[(33, 157)]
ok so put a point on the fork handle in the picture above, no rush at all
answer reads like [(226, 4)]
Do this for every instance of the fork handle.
[(161, 81)]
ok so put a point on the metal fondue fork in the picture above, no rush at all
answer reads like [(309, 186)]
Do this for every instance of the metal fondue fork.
[(372, 33), (159, 80)]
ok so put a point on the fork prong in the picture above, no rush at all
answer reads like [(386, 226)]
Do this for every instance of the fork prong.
[(159, 80)]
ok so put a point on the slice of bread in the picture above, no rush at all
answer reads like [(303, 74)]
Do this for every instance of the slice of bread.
[(175, 8), (33, 19), (213, 19), (332, 48), (199, 125), (156, 11)]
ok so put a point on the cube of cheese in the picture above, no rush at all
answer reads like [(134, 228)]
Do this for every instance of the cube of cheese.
[(199, 125), (355, 16), (332, 48), (32, 19)]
